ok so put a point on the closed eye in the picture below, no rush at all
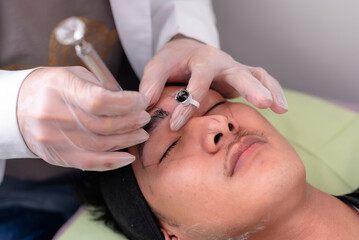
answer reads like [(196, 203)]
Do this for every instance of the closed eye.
[(215, 105), (168, 151)]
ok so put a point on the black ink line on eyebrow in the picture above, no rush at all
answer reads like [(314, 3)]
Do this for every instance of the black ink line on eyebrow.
[(158, 116)]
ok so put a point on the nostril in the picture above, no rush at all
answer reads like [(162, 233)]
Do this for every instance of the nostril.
[(217, 137), (230, 126)]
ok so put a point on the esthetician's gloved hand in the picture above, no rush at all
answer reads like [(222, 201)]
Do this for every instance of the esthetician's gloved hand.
[(205, 66), (68, 119)]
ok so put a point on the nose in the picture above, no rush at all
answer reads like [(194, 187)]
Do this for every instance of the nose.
[(212, 132)]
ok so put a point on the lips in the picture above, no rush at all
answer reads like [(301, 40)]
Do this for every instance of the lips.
[(241, 151)]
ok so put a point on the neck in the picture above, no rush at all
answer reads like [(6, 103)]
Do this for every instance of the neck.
[(318, 216)]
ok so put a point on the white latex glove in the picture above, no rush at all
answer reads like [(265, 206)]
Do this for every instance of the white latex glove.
[(68, 119), (205, 66)]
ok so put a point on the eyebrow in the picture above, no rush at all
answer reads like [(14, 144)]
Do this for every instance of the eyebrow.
[(156, 118)]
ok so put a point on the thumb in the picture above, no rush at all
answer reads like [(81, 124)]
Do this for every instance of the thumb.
[(153, 81)]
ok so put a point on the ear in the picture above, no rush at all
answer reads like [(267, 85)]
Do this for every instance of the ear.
[(168, 236)]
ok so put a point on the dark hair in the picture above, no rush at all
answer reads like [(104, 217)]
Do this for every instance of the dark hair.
[(116, 199)]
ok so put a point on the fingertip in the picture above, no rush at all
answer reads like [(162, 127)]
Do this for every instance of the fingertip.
[(152, 103), (283, 111), (280, 104), (177, 124), (180, 117), (256, 94), (140, 136), (118, 160), (152, 94), (262, 101), (126, 160), (279, 109), (145, 118), (104, 161), (144, 101)]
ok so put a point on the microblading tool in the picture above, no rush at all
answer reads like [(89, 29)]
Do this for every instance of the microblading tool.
[(71, 31)]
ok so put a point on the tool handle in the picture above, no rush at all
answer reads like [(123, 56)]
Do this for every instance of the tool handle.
[(95, 64)]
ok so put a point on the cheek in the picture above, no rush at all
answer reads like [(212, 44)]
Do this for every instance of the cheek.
[(184, 180), (185, 191), (200, 201), (275, 180)]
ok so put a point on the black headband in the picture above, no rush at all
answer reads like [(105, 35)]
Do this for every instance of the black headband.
[(128, 206)]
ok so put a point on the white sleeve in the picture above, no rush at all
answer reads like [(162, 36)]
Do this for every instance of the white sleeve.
[(144, 26), (194, 19), (12, 144)]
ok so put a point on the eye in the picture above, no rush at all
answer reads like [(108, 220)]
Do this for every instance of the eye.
[(168, 151), (214, 106)]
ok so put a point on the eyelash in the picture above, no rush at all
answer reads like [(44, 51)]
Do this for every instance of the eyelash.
[(214, 106), (168, 151)]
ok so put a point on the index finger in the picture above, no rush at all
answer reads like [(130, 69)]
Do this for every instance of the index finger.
[(99, 101), (154, 79)]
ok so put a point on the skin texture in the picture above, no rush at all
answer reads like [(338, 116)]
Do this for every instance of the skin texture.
[(193, 188)]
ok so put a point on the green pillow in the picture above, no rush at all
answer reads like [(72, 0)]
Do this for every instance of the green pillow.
[(325, 136), (327, 139)]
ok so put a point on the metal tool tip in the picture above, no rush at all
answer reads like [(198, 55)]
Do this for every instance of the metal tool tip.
[(70, 31)]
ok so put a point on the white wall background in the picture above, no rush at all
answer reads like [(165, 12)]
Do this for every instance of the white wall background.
[(308, 45)]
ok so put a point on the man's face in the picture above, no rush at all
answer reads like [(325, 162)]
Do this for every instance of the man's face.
[(226, 172)]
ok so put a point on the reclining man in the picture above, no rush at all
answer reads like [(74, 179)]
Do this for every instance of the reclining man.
[(227, 174)]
